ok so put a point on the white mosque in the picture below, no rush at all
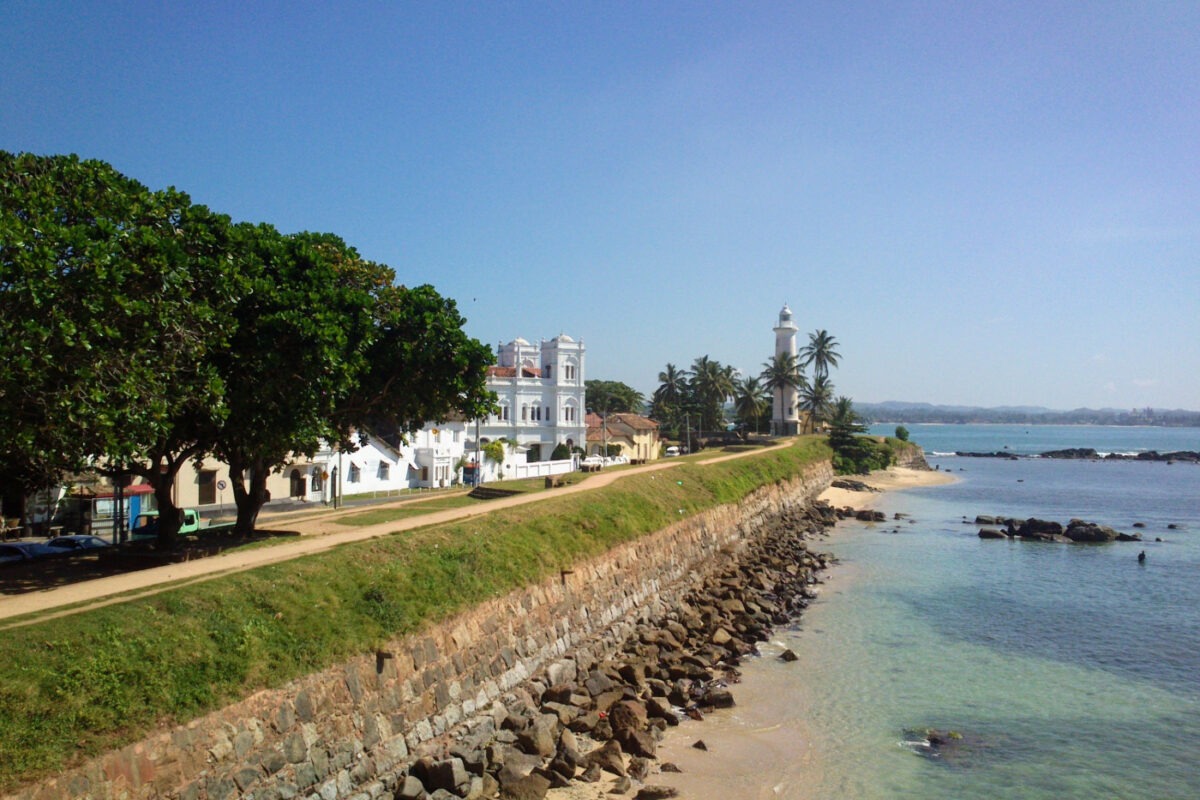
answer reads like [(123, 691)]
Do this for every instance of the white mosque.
[(785, 405)]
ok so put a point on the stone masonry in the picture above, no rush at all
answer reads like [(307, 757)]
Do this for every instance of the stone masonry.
[(348, 732)]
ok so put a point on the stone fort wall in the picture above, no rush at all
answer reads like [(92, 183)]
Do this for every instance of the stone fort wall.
[(346, 733)]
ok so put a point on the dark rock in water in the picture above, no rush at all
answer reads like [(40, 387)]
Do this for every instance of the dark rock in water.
[(669, 766), (653, 792), (1080, 531), (1139, 524), (984, 519), (1172, 527), (867, 515), (992, 533), (1072, 452), (948, 747), (700, 745), (788, 655), (1042, 529)]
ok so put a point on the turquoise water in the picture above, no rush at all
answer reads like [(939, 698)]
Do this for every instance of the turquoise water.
[(1028, 439), (1070, 670)]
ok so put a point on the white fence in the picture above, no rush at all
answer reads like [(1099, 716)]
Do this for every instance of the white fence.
[(537, 469)]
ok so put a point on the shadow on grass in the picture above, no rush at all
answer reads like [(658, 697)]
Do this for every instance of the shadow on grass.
[(78, 567)]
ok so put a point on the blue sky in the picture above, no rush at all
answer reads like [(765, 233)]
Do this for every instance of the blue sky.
[(986, 203)]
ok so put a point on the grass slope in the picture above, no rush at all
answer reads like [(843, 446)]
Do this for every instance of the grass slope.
[(80, 685)]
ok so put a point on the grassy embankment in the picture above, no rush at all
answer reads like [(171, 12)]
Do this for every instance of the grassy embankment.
[(79, 685)]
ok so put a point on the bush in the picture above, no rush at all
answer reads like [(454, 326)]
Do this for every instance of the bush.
[(902, 433)]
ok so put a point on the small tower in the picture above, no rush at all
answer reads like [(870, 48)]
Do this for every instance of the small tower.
[(785, 411)]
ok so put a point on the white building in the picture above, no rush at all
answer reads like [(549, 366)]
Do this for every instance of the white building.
[(541, 394), (785, 404)]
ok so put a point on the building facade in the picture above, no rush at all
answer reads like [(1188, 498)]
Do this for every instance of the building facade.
[(785, 402), (541, 396)]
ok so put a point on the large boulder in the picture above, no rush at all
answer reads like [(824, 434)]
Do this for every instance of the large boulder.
[(992, 533), (1081, 531), (1043, 529)]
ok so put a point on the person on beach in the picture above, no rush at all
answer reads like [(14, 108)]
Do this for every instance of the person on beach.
[(1142, 557)]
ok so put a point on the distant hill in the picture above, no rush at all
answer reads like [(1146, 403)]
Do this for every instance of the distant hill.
[(903, 411)]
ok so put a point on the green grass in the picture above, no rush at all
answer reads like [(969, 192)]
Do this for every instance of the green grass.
[(80, 685), (407, 511)]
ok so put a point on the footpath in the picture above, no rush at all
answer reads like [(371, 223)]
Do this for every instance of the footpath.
[(317, 534)]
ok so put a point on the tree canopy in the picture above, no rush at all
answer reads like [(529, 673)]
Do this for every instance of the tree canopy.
[(613, 397), (139, 329)]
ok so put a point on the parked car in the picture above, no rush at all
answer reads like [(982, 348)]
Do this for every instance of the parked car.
[(671, 451), (77, 542), (17, 552), (147, 527)]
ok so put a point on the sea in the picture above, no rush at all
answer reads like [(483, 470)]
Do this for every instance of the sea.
[(1050, 670)]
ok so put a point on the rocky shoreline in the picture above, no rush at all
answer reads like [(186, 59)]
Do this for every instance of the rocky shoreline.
[(577, 724)]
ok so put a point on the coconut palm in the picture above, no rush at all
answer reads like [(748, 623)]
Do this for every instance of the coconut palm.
[(816, 397), (667, 403), (781, 373), (712, 384), (751, 400), (820, 353)]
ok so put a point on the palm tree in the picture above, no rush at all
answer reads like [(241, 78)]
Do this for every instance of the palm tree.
[(666, 404), (815, 400), (781, 373), (820, 352), (672, 383), (712, 385), (751, 399)]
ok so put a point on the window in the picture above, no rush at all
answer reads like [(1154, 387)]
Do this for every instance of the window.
[(385, 470), (547, 413), (355, 473), (504, 413), (524, 413), (316, 479)]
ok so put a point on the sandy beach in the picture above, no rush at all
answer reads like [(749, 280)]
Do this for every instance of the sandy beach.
[(755, 750)]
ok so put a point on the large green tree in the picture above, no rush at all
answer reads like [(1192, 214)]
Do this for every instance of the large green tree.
[(613, 397), (138, 330), (111, 299), (327, 344)]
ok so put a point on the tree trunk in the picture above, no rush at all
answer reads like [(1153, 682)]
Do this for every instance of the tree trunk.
[(170, 516), (250, 499)]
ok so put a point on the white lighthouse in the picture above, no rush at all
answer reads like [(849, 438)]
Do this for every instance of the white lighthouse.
[(785, 408)]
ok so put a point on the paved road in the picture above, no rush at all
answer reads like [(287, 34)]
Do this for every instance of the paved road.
[(318, 534)]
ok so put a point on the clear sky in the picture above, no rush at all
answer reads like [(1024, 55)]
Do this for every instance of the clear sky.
[(985, 203)]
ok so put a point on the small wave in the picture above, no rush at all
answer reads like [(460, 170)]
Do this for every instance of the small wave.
[(939, 454)]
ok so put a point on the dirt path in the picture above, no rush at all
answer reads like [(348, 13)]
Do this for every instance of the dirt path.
[(318, 533)]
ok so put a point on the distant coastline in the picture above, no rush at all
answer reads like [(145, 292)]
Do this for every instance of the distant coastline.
[(927, 413)]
